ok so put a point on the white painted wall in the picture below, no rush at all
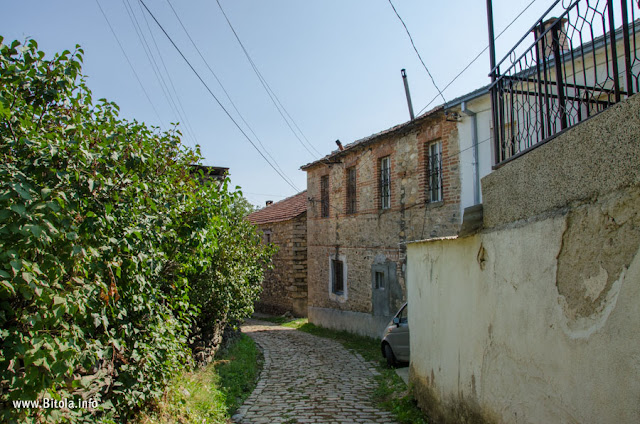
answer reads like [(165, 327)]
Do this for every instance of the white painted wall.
[(481, 106), (499, 336)]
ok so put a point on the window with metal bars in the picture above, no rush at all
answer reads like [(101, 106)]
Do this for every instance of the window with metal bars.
[(324, 196), (434, 172), (385, 183), (351, 190), (337, 276)]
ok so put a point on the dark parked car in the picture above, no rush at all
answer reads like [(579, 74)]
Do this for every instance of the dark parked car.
[(395, 340)]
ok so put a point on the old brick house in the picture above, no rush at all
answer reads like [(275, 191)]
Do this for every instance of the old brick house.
[(285, 225), (365, 202)]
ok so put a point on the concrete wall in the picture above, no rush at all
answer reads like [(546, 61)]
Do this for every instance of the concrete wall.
[(536, 320), (284, 288), (598, 156), (373, 236)]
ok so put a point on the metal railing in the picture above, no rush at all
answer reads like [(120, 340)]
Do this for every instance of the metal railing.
[(582, 61)]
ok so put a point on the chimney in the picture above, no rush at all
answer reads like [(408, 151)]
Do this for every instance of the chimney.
[(545, 44), (406, 91), (339, 145), (269, 202)]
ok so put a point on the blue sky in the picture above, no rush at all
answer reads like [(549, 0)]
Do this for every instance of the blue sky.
[(334, 65)]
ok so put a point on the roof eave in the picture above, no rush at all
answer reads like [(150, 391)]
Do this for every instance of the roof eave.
[(399, 129)]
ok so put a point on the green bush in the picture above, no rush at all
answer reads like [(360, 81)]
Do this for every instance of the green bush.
[(114, 257)]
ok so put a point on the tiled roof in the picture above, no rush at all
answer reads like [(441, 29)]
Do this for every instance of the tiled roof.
[(283, 210), (364, 141)]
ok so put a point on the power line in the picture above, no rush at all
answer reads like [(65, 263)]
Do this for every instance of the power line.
[(478, 55), (264, 194), (418, 53), (225, 91), (216, 98), (154, 64), (129, 62), (150, 57), (269, 91), (185, 115)]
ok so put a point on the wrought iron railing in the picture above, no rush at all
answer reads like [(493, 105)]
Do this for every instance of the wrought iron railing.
[(582, 61)]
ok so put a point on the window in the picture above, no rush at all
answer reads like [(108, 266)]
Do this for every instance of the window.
[(267, 236), (434, 172), (324, 196), (385, 183), (351, 190), (337, 276), (379, 280)]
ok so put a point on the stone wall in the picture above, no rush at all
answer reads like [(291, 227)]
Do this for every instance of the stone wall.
[(373, 236), (535, 319), (285, 286)]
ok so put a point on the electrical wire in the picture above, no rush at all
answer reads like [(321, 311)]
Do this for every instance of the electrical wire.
[(226, 92), (478, 56), (266, 195), (418, 53), (129, 62), (151, 59), (154, 65), (185, 115), (272, 95), (216, 98), (365, 151)]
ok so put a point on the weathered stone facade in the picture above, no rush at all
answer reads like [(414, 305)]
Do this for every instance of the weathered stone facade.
[(372, 240), (284, 288)]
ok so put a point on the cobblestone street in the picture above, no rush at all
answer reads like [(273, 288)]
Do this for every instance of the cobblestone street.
[(308, 379)]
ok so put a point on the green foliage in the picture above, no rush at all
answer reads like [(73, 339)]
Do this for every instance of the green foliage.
[(242, 207), (111, 252), (213, 393)]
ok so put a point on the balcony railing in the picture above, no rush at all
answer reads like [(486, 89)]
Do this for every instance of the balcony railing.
[(582, 60)]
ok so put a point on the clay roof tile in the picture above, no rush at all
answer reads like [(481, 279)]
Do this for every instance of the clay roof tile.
[(283, 210)]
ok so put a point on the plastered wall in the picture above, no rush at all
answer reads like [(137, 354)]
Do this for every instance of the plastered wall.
[(537, 319), (499, 331)]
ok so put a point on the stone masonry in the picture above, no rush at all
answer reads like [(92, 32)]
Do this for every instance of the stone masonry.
[(372, 236), (284, 287), (309, 379)]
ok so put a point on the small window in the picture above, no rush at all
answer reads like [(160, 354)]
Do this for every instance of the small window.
[(385, 183), (267, 236), (324, 196), (434, 172), (337, 276), (351, 190), (380, 281)]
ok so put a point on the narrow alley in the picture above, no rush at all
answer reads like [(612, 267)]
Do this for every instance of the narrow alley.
[(308, 379)]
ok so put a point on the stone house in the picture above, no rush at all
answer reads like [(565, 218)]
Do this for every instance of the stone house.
[(284, 224), (366, 201)]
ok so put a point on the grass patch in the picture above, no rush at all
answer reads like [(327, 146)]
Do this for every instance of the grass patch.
[(213, 393), (392, 393), (238, 368), (281, 320)]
